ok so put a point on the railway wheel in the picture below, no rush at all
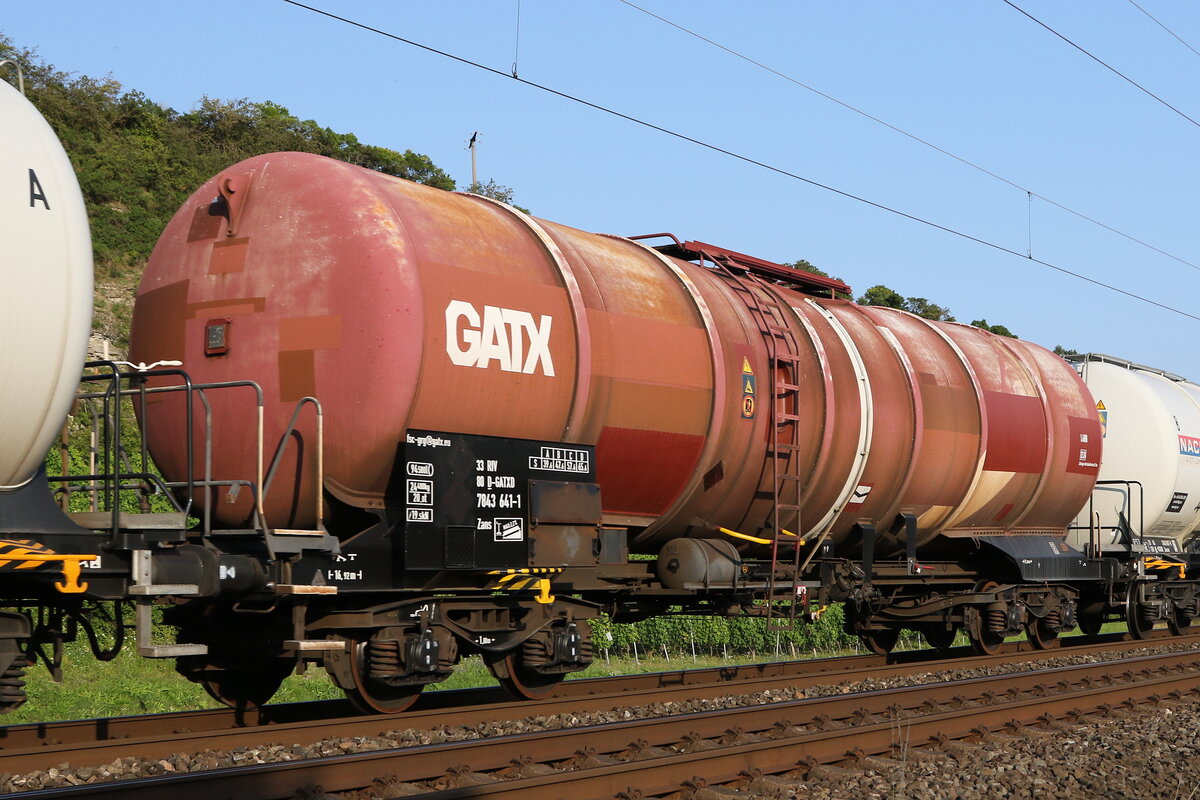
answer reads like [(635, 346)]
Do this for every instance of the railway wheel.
[(1179, 622), (984, 640), (1040, 634), (880, 642), (519, 680), (1091, 619), (938, 636), (244, 688), (372, 695), (1135, 619)]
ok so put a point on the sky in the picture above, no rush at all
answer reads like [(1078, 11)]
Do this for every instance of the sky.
[(977, 79)]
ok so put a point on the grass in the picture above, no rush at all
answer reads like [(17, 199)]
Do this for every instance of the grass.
[(133, 685)]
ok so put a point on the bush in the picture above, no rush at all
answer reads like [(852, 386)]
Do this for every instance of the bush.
[(718, 635)]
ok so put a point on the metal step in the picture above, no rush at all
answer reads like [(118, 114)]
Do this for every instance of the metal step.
[(311, 645), (102, 520), (145, 628), (163, 589), (172, 650), (299, 588), (290, 540)]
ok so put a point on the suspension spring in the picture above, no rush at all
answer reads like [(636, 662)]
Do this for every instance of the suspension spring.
[(383, 658), (12, 683)]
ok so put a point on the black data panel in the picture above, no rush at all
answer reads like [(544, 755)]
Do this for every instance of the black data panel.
[(467, 497)]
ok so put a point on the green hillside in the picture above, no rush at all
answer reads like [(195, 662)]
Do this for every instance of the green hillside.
[(137, 161)]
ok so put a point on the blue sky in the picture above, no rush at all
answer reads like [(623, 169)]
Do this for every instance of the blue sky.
[(977, 79)]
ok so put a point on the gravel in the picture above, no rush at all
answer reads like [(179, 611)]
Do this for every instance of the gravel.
[(1161, 749), (1152, 753)]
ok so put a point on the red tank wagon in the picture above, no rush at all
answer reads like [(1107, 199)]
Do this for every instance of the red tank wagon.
[(506, 396), (402, 307)]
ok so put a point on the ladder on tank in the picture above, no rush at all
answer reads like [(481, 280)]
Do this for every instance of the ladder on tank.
[(783, 356)]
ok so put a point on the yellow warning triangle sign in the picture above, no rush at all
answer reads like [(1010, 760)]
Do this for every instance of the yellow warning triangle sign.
[(1100, 406), (749, 387), (746, 365)]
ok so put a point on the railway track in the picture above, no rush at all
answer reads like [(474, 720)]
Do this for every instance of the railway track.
[(32, 748), (28, 747), (653, 757)]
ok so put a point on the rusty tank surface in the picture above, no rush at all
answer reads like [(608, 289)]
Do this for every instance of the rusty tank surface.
[(712, 396)]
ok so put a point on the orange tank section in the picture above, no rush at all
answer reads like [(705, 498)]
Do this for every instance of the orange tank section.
[(404, 307)]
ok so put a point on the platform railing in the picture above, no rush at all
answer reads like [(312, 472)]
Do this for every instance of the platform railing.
[(109, 473), (277, 458)]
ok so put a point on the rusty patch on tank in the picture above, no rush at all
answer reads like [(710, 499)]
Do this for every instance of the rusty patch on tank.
[(228, 256), (206, 222), (159, 331), (297, 375), (226, 307), (310, 333)]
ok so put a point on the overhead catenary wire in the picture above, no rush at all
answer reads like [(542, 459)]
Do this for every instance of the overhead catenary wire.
[(897, 129), (1155, 20), (1101, 62), (744, 158)]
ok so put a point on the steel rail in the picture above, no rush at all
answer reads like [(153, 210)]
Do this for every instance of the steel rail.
[(869, 722), (39, 746)]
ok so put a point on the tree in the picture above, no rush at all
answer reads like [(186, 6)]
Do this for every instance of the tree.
[(808, 266), (881, 296), (997, 329), (1059, 350), (923, 308), (495, 191)]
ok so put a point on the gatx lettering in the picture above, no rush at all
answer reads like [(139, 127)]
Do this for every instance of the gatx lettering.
[(511, 338)]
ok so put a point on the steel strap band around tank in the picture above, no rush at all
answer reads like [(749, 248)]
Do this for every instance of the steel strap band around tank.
[(866, 412), (717, 356), (825, 450), (583, 339), (914, 393), (981, 455)]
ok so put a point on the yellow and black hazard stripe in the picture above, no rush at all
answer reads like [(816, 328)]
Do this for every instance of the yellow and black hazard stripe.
[(1157, 563), (514, 580), (28, 554)]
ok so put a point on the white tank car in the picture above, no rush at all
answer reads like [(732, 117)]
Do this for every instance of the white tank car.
[(45, 287), (1150, 421)]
